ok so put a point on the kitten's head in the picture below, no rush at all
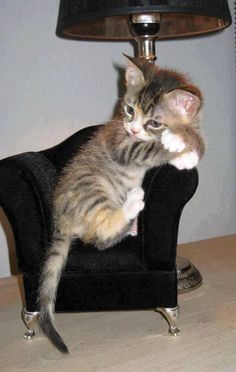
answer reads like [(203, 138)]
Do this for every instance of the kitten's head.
[(157, 99)]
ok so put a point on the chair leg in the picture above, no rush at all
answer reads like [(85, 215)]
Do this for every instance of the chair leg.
[(171, 315), (29, 319)]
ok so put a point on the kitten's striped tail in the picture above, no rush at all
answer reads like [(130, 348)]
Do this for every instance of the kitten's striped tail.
[(49, 280)]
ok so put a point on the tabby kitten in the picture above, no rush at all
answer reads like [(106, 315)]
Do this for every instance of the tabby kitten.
[(99, 194)]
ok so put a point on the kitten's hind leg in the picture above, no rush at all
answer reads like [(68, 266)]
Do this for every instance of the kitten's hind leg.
[(107, 227), (134, 203), (133, 231)]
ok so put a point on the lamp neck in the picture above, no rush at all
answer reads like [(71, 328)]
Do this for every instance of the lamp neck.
[(146, 48), (145, 28)]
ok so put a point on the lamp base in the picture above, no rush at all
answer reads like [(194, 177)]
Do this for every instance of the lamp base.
[(188, 276)]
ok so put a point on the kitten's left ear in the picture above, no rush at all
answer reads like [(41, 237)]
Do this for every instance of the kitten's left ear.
[(134, 75), (183, 102)]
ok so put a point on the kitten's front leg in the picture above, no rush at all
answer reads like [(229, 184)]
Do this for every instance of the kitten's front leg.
[(174, 143), (187, 160)]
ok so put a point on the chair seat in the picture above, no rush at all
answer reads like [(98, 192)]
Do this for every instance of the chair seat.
[(126, 256)]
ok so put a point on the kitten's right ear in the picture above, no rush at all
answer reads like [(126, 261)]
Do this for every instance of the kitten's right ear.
[(184, 103), (134, 75)]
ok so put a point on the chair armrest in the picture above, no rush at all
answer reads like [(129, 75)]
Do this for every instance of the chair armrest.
[(27, 181), (167, 190)]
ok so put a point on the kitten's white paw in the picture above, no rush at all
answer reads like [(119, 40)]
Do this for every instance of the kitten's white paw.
[(172, 142), (134, 203), (134, 228), (188, 160)]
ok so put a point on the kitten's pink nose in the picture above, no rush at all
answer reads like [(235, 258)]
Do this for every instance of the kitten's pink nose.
[(134, 130)]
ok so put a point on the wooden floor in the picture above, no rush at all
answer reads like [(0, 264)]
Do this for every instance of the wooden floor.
[(137, 341)]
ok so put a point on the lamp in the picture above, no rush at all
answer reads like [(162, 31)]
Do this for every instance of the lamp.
[(145, 21), (142, 20)]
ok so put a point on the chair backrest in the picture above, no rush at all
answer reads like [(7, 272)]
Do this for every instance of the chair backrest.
[(60, 154)]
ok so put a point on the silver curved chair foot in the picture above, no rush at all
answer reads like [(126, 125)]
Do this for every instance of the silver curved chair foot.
[(29, 334), (29, 319), (171, 315)]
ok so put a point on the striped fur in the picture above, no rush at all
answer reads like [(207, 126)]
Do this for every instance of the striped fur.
[(54, 263), (99, 192)]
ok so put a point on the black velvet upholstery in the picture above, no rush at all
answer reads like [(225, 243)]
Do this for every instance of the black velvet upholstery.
[(137, 273)]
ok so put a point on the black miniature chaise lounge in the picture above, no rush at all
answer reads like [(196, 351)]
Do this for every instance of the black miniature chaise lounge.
[(138, 273)]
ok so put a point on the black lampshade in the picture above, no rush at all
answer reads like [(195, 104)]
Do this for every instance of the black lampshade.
[(110, 19)]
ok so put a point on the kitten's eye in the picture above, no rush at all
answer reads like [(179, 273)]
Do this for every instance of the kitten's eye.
[(154, 124), (129, 110)]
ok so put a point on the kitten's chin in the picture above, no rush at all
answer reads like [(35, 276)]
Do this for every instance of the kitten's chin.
[(133, 138), (139, 139)]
